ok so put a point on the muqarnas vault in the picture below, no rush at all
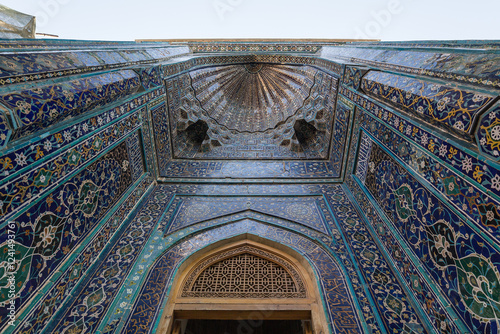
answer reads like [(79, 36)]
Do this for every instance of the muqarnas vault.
[(351, 186)]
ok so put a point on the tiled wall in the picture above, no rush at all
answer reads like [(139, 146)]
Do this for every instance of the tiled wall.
[(425, 174), (75, 162), (408, 243)]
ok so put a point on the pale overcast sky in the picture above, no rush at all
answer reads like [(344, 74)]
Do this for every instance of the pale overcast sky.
[(167, 19)]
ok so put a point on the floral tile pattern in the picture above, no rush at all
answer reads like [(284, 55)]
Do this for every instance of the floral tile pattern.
[(48, 232), (452, 253), (26, 188), (444, 105), (36, 109), (488, 133), (388, 183)]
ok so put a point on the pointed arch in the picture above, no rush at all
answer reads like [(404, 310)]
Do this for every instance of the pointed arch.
[(295, 297)]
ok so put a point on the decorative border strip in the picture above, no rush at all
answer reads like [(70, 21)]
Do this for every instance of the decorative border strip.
[(32, 77), (23, 190), (485, 176), (323, 64), (62, 288), (28, 156)]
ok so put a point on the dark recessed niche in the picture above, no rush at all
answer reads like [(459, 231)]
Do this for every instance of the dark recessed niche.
[(304, 131), (197, 132)]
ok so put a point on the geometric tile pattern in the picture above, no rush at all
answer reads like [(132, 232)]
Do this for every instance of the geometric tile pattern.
[(252, 97), (192, 210), (244, 275), (253, 47), (239, 125)]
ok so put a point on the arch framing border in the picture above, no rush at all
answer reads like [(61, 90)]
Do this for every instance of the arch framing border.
[(195, 272), (309, 308), (339, 304)]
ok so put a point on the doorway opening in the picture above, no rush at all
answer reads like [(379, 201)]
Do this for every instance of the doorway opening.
[(249, 326)]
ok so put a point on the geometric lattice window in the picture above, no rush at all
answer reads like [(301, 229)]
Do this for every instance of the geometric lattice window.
[(244, 272)]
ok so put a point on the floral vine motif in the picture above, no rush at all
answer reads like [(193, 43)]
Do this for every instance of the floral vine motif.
[(450, 107), (49, 231), (488, 134), (41, 107), (450, 256)]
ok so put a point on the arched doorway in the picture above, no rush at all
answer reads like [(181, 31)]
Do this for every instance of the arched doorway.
[(244, 287)]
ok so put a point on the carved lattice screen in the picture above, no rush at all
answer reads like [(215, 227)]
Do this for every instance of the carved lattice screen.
[(244, 272)]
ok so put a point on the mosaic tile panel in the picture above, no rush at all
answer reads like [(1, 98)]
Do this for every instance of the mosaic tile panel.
[(442, 318), (488, 133), (158, 243), (398, 314), (192, 210), (52, 301), (461, 262), (441, 200), (447, 64), (152, 294), (14, 161), (467, 197), (28, 187), (474, 169), (48, 231), (440, 104), (39, 108), (421, 150), (90, 304)]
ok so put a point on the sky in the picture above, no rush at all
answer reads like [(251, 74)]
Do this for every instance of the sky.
[(392, 20)]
